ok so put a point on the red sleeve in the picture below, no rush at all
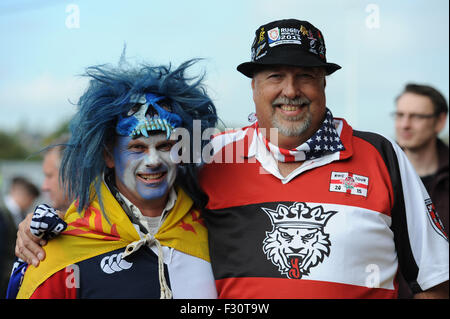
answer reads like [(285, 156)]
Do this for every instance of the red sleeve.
[(60, 285)]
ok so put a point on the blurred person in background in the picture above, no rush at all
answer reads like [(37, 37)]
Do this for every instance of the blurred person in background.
[(22, 193), (50, 167), (13, 208), (51, 186), (421, 114)]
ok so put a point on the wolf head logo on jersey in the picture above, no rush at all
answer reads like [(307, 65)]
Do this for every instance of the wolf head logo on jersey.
[(297, 241)]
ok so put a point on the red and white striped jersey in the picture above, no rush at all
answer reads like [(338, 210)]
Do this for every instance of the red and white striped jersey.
[(339, 226)]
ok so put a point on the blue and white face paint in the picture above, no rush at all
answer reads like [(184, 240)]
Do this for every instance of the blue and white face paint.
[(143, 167), (147, 115)]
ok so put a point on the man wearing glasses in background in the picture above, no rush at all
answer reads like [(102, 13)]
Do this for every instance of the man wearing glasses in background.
[(420, 116)]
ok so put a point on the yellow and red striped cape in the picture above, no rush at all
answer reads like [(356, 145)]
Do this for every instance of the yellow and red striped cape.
[(89, 235)]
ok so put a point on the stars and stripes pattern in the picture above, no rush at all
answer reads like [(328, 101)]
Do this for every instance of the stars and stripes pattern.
[(326, 140)]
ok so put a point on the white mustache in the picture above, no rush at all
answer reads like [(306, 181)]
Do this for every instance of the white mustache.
[(282, 100)]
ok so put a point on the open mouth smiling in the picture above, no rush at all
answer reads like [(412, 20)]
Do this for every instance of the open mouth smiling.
[(291, 107), (152, 178)]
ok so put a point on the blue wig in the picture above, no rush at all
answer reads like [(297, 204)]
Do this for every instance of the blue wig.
[(93, 128)]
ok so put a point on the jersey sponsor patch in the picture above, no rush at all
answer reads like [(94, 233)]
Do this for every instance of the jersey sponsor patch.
[(434, 219), (349, 183)]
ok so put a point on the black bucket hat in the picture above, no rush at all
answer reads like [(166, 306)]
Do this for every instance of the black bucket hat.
[(288, 42)]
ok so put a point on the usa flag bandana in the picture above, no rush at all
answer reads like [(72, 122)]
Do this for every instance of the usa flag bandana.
[(325, 141)]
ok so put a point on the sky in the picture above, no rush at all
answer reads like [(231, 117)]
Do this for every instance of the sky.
[(381, 45)]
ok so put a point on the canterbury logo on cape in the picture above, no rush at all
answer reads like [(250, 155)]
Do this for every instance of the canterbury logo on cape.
[(89, 235)]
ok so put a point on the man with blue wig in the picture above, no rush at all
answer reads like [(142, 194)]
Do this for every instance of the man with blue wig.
[(135, 229)]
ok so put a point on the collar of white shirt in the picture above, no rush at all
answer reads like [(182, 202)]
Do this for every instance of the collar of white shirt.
[(148, 222), (269, 164)]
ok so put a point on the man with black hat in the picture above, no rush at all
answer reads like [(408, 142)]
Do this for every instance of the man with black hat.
[(309, 207)]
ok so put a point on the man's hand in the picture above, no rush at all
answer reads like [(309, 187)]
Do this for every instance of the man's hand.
[(28, 246), (45, 223)]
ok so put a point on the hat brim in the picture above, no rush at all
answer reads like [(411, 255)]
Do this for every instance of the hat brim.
[(294, 58)]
